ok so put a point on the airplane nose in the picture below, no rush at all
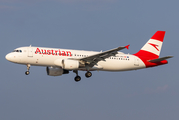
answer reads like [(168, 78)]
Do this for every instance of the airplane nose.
[(12, 58), (8, 57)]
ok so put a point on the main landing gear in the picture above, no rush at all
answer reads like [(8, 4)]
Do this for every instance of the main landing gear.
[(78, 78), (88, 74), (28, 67)]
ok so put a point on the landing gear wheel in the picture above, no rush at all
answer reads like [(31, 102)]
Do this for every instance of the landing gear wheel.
[(88, 74), (27, 72), (77, 78)]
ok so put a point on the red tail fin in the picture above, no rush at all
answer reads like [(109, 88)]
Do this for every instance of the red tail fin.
[(151, 50), (153, 47)]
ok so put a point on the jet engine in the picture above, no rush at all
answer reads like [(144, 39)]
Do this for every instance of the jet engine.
[(67, 64), (70, 64), (56, 71)]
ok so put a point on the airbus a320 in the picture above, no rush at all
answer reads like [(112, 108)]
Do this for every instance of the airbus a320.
[(61, 61)]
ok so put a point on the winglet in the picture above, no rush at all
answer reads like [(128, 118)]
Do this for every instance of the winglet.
[(127, 46)]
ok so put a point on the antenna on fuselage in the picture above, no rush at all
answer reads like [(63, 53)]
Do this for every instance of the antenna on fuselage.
[(30, 46)]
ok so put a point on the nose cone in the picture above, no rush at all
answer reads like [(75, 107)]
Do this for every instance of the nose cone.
[(13, 57), (8, 57)]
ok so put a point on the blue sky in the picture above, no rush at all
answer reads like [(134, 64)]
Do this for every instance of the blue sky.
[(95, 25)]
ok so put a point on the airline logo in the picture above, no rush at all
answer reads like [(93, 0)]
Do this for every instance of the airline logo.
[(155, 46), (52, 52)]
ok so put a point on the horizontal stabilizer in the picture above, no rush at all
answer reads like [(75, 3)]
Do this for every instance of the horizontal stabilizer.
[(160, 59)]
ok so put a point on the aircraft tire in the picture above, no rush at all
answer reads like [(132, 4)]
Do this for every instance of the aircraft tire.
[(88, 74), (77, 78), (27, 72)]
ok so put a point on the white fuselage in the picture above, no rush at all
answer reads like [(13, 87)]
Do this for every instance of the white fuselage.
[(61, 61), (40, 56)]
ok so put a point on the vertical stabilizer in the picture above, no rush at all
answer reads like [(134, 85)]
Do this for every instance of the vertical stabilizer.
[(153, 47)]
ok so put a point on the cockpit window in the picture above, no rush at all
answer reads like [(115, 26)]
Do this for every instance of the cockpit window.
[(17, 51)]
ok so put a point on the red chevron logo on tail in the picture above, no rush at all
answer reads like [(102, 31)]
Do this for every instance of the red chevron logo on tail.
[(154, 45)]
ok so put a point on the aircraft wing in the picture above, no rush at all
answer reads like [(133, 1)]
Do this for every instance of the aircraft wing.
[(94, 59)]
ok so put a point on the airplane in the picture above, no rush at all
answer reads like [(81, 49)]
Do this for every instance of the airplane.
[(61, 61)]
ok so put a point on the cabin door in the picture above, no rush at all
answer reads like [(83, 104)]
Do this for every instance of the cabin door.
[(30, 52)]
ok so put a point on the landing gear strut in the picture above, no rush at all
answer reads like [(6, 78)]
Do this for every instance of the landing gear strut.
[(77, 78), (88, 74), (28, 67)]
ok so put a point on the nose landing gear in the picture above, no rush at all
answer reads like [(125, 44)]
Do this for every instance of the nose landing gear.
[(28, 67)]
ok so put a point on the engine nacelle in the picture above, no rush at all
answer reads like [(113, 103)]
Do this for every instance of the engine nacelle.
[(67, 64), (70, 64), (56, 71)]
